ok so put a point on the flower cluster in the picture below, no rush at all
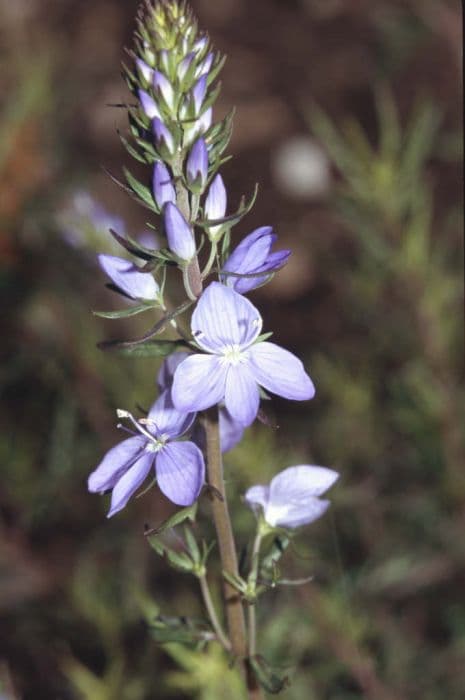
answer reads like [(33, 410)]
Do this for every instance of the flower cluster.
[(220, 365)]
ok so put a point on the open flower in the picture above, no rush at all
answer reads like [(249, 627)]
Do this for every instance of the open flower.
[(226, 326), (128, 278), (292, 497), (252, 255), (231, 431), (179, 466)]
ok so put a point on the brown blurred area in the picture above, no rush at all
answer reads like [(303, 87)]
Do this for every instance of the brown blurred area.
[(59, 77)]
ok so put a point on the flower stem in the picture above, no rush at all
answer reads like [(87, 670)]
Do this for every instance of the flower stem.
[(253, 576), (234, 608), (207, 599)]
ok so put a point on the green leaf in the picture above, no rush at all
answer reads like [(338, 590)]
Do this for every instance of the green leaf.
[(149, 349), (141, 190), (267, 676), (180, 629), (276, 551), (188, 513), (125, 313)]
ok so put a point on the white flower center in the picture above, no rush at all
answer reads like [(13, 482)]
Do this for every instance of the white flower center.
[(232, 354)]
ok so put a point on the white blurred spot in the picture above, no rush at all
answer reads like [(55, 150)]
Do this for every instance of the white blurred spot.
[(300, 168)]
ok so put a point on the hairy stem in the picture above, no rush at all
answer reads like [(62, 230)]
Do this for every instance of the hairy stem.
[(234, 608)]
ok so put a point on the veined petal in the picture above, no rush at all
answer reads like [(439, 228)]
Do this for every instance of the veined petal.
[(199, 382), (295, 514), (252, 251), (165, 419), (115, 463), (303, 480), (168, 368), (130, 482), (241, 396), (223, 318), (231, 431), (180, 471), (280, 372), (125, 275), (178, 232)]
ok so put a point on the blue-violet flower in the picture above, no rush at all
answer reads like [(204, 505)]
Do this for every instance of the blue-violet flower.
[(127, 277), (226, 326), (292, 497)]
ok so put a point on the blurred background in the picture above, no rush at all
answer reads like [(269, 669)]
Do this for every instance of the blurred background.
[(349, 116)]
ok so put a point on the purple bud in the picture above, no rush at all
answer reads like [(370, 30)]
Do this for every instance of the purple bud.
[(254, 254), (148, 105), (163, 137), (163, 85), (215, 204), (178, 232), (205, 65), (197, 166), (198, 93), (144, 69), (200, 44), (163, 190), (185, 65)]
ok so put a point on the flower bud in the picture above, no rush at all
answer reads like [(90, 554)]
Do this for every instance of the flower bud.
[(178, 232), (162, 186), (197, 166), (162, 85), (215, 206), (145, 70), (163, 139), (198, 93), (149, 105)]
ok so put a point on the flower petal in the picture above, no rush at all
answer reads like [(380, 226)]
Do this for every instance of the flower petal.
[(215, 203), (166, 419), (252, 251), (162, 185), (280, 372), (242, 397), (116, 461), (223, 318), (231, 431), (130, 482), (295, 514), (257, 496), (125, 275), (168, 368), (149, 105), (180, 471), (199, 382), (304, 479)]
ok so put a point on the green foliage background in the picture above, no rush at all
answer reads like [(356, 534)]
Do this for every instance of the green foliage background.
[(375, 310)]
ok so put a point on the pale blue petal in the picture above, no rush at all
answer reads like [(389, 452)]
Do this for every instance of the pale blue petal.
[(180, 469), (231, 431), (115, 463), (257, 496), (165, 419), (280, 372), (295, 515), (242, 397), (162, 186), (302, 480), (223, 318), (168, 368), (130, 482), (199, 382), (125, 275)]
